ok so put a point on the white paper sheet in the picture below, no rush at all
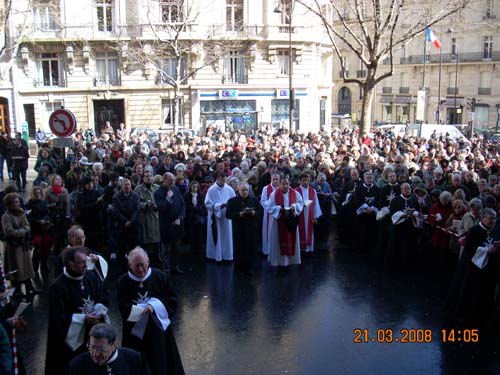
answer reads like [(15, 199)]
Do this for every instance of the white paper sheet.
[(480, 258), (135, 314)]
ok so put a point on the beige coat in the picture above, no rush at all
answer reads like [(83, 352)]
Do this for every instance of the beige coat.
[(17, 257)]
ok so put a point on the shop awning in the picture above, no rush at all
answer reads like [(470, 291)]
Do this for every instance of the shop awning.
[(450, 102), (482, 104), (386, 99), (403, 100)]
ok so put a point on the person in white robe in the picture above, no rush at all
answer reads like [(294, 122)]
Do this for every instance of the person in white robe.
[(311, 212), (284, 244), (264, 202), (219, 228)]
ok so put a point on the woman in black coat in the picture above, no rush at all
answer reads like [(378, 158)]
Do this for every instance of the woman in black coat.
[(196, 216), (42, 237)]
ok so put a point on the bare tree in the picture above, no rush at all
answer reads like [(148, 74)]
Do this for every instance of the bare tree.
[(372, 30), (178, 49)]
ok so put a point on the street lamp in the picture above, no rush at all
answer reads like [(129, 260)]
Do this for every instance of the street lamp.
[(286, 7)]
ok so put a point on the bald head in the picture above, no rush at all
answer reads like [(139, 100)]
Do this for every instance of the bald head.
[(138, 262)]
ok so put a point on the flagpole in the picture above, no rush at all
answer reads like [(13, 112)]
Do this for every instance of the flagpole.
[(425, 53), (439, 87)]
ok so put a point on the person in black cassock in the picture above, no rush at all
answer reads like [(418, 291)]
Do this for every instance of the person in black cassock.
[(244, 212), (75, 292), (104, 357), (172, 210), (472, 295), (366, 199), (150, 291), (403, 212)]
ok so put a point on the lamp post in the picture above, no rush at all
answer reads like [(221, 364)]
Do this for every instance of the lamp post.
[(286, 7)]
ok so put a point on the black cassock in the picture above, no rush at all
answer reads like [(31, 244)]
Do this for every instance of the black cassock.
[(387, 194), (366, 223), (157, 346), (245, 229), (127, 362), (402, 236), (471, 297), (68, 297)]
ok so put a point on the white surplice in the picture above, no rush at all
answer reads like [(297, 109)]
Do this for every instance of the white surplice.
[(215, 198), (308, 221), (266, 222), (275, 257)]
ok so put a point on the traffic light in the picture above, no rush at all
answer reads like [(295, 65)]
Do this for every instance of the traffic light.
[(471, 104)]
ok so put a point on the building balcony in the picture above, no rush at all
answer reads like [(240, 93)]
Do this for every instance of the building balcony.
[(452, 91), (108, 82), (484, 91), (447, 58), (361, 74), (404, 90)]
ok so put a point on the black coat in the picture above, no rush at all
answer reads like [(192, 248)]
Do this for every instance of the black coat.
[(471, 296), (246, 228), (20, 156), (195, 214), (170, 209), (128, 362)]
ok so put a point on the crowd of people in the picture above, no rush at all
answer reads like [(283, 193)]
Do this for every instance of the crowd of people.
[(237, 196)]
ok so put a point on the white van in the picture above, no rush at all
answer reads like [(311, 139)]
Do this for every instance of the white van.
[(426, 131)]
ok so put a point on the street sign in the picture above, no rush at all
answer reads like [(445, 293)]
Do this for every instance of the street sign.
[(62, 123), (62, 142), (421, 105)]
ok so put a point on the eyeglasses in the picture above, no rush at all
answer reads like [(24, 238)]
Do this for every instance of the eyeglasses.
[(98, 349)]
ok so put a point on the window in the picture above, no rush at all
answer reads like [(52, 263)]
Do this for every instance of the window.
[(344, 65), (50, 107), (104, 15), (169, 69), (50, 71), (168, 113), (45, 17), (485, 80), (171, 11), (489, 9), (283, 60), (285, 8), (487, 47), (360, 93), (327, 12), (453, 46), (234, 15), (107, 69), (234, 68), (404, 79), (481, 117)]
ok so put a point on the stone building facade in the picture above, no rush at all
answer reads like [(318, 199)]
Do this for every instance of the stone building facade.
[(468, 63), (84, 55)]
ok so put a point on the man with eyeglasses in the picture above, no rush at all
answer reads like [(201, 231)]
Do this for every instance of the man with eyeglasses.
[(77, 301), (104, 356)]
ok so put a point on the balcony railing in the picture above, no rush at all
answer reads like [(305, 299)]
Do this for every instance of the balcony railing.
[(452, 91), (361, 74), (108, 82), (387, 90), (484, 91), (404, 90), (451, 58)]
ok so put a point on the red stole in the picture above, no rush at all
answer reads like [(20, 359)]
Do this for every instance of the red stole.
[(286, 239), (306, 241)]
